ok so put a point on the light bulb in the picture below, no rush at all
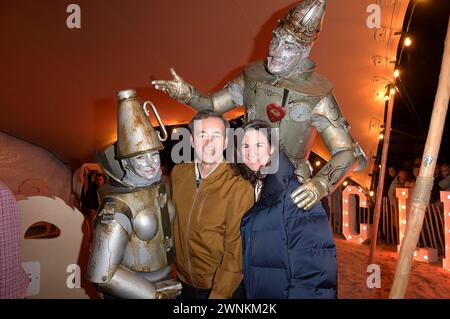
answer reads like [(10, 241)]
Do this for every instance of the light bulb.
[(396, 73), (407, 41)]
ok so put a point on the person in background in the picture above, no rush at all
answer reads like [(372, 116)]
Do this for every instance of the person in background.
[(165, 177), (89, 182), (399, 181), (289, 252), (13, 279), (435, 195), (389, 177), (444, 178), (411, 181), (417, 161), (100, 180), (93, 201)]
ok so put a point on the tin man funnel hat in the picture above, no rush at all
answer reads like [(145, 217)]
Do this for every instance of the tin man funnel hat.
[(135, 133)]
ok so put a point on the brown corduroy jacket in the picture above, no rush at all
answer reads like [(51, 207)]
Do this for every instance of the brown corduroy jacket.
[(207, 237)]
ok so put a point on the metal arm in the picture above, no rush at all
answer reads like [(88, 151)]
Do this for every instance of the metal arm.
[(346, 155), (112, 233), (185, 93)]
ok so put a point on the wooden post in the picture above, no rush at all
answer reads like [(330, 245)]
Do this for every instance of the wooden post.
[(424, 183), (377, 211)]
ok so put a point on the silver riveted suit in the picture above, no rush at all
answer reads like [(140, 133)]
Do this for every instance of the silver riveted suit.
[(132, 251), (300, 102)]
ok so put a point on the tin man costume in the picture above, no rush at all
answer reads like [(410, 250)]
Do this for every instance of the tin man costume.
[(287, 93), (132, 250)]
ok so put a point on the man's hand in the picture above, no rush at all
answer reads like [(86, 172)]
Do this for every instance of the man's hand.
[(310, 193), (177, 88)]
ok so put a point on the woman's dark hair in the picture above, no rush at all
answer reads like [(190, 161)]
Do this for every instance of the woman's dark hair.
[(238, 166)]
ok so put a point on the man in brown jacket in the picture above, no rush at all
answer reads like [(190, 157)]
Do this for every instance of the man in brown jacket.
[(210, 201)]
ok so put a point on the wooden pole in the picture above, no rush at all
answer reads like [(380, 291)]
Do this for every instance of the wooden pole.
[(422, 188), (377, 211), (384, 216)]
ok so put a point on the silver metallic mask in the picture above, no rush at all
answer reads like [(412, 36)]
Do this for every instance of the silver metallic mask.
[(285, 53)]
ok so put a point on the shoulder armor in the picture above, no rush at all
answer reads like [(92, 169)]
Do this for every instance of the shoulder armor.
[(329, 108), (111, 206)]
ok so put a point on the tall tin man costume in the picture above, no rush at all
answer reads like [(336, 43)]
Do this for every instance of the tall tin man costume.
[(132, 249), (286, 92)]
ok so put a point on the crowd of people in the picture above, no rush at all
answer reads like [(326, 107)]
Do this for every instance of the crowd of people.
[(406, 175)]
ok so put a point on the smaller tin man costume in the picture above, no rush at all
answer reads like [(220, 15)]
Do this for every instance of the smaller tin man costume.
[(132, 251)]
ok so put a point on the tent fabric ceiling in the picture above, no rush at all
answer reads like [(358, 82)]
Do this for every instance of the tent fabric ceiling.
[(59, 84)]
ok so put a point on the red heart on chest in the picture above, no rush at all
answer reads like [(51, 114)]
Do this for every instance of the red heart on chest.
[(275, 112)]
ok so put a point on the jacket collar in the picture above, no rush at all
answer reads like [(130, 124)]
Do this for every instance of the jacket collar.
[(275, 184), (216, 173), (197, 169)]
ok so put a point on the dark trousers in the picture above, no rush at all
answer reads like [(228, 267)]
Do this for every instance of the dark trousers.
[(189, 292)]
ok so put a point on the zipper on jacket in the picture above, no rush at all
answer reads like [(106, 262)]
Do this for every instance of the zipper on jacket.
[(187, 237), (246, 258), (287, 245)]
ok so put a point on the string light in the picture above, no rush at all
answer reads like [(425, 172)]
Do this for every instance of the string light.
[(381, 136), (345, 183), (396, 73), (371, 193), (407, 42), (392, 91), (318, 163)]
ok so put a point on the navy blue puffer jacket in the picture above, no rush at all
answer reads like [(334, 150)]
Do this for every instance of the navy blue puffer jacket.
[(288, 252)]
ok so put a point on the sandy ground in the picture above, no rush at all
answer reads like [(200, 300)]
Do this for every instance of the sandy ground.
[(427, 281)]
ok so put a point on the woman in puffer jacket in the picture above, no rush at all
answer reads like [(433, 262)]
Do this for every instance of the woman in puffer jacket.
[(288, 252)]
